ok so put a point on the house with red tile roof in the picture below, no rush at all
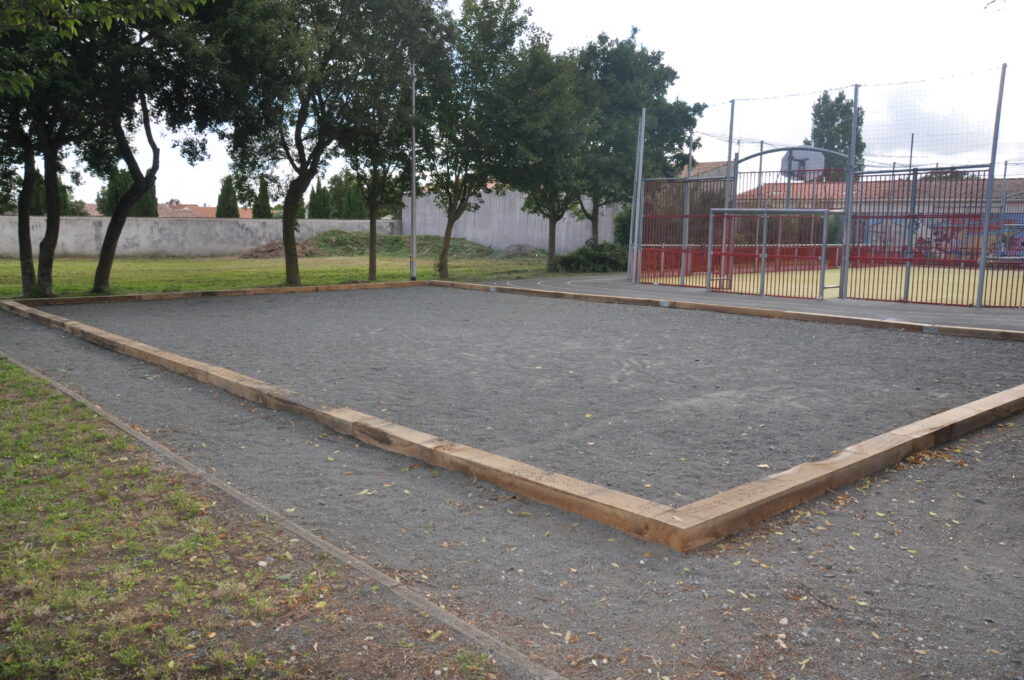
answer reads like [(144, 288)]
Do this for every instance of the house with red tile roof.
[(175, 208)]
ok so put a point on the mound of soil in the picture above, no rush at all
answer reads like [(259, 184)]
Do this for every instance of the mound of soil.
[(276, 249)]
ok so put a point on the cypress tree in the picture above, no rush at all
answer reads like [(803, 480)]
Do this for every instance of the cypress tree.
[(227, 201), (116, 187), (319, 202), (261, 208)]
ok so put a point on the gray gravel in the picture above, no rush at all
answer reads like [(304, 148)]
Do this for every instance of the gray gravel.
[(668, 405), (928, 559)]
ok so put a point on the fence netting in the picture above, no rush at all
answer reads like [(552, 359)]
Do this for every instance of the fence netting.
[(919, 216)]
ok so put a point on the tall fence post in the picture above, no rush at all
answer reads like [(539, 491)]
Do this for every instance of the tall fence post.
[(636, 216), (683, 256), (989, 186), (909, 231), (851, 169), (729, 169)]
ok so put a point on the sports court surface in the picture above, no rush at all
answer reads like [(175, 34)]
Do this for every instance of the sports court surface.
[(671, 407), (914, 572)]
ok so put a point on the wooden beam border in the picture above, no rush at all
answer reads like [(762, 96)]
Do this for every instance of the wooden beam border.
[(233, 292), (683, 528)]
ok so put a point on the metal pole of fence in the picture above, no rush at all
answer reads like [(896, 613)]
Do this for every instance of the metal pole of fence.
[(683, 256), (711, 239), (636, 217), (789, 178), (824, 254), (764, 252), (728, 155), (908, 235), (851, 168), (989, 186)]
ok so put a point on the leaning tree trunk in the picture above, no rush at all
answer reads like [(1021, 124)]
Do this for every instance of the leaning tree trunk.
[(442, 259), (48, 246), (290, 225), (140, 185), (552, 264), (101, 279), (28, 265)]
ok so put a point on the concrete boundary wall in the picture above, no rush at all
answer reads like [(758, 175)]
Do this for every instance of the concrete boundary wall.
[(501, 222), (172, 236)]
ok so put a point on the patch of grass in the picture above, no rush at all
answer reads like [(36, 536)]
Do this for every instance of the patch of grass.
[(474, 665), (73, 275), (113, 566)]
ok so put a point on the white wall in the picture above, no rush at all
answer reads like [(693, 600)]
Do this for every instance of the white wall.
[(500, 222), (172, 237)]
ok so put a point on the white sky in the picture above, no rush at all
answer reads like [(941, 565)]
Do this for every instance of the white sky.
[(750, 49)]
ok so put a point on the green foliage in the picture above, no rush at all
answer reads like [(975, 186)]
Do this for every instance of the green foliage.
[(227, 201), (347, 202), (351, 243), (47, 22), (594, 257), (621, 225), (261, 207), (617, 78), (831, 120), (116, 187), (466, 118), (319, 203), (68, 207)]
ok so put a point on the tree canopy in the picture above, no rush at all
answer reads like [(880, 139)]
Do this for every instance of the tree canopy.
[(117, 185), (227, 200), (831, 120), (462, 113), (617, 78)]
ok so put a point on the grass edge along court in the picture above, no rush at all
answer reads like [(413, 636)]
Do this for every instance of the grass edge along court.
[(112, 564)]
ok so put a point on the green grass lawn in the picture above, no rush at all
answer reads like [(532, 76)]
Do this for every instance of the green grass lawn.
[(112, 565), (73, 275)]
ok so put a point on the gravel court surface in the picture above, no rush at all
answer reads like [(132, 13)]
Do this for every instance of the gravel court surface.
[(669, 405), (914, 574), (928, 559)]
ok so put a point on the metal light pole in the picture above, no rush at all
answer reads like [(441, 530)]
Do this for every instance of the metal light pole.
[(412, 159)]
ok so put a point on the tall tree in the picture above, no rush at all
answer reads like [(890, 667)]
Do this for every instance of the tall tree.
[(377, 151), (831, 119), (56, 20), (460, 162), (319, 203), (618, 78), (261, 206), (542, 134), (294, 81), (44, 121), (116, 187), (227, 201), (136, 73), (347, 201)]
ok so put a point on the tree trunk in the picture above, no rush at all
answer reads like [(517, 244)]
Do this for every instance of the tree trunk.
[(552, 264), (28, 265), (140, 185), (290, 225), (595, 216), (48, 246), (373, 241), (442, 260), (101, 279)]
